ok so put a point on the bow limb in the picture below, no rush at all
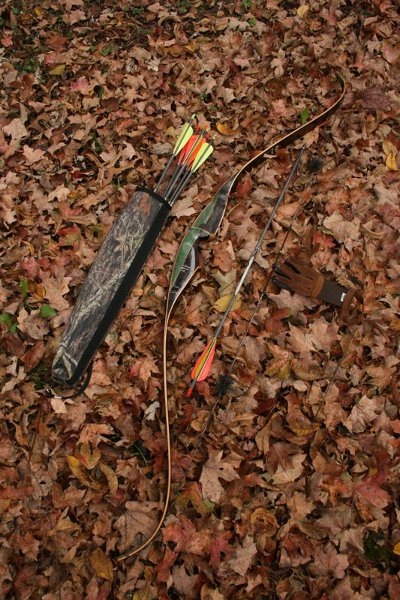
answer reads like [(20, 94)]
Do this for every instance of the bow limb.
[(167, 495), (209, 220)]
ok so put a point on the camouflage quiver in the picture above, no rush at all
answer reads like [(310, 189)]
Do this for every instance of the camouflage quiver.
[(111, 277)]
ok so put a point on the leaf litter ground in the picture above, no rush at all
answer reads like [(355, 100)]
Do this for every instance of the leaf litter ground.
[(293, 492)]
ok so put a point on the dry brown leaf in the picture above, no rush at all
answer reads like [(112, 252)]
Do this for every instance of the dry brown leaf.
[(88, 458), (224, 129), (112, 478), (286, 474), (101, 564), (81, 474), (222, 303), (244, 556), (214, 469), (303, 10)]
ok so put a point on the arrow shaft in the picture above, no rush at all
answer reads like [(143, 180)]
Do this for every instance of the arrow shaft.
[(246, 271), (181, 141), (202, 156)]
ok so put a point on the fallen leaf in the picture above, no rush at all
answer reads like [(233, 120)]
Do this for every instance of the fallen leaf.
[(16, 129), (303, 10), (32, 156), (58, 70), (213, 470), (88, 458), (363, 413), (390, 52), (80, 473), (244, 556), (329, 562), (222, 303), (288, 474), (101, 564), (112, 478), (342, 229), (391, 162), (224, 129)]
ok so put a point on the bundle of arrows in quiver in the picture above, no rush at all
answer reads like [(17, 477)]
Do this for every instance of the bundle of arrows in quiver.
[(122, 256)]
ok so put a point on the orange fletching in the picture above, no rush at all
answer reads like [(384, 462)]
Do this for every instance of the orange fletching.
[(191, 149), (204, 363)]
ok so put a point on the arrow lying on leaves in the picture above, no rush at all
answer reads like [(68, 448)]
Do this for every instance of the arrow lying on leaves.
[(204, 362), (186, 264)]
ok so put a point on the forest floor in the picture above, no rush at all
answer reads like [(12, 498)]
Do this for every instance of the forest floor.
[(293, 491)]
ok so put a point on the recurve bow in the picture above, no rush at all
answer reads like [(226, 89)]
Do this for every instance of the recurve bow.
[(187, 263)]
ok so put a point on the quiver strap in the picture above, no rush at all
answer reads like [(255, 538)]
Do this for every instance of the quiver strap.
[(298, 276)]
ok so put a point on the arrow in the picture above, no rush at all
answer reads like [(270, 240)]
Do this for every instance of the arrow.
[(203, 154), (184, 136), (186, 157), (204, 362)]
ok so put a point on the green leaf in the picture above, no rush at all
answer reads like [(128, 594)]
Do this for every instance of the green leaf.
[(47, 311), (252, 21), (24, 287), (106, 51), (304, 116), (136, 10), (8, 321)]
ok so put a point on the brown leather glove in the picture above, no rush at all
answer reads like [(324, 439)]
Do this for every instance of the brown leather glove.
[(298, 276)]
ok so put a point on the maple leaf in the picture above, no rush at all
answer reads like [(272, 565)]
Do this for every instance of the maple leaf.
[(213, 470), (342, 230), (296, 549), (375, 98), (179, 532), (220, 545), (299, 506), (56, 288), (244, 556), (363, 413), (287, 474), (16, 129), (328, 561), (184, 583), (323, 334), (135, 521), (32, 156), (370, 490)]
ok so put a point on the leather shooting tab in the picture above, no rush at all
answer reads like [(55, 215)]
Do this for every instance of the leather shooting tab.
[(332, 293), (299, 276)]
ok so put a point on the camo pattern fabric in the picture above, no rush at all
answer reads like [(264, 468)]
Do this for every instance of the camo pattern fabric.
[(87, 325)]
